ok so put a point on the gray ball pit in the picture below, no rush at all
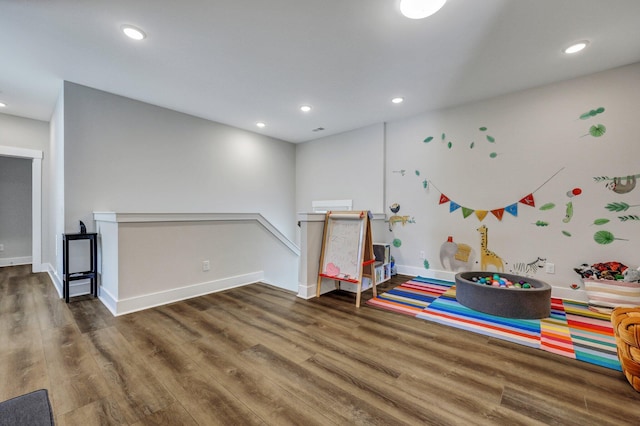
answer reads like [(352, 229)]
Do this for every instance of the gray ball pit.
[(532, 303)]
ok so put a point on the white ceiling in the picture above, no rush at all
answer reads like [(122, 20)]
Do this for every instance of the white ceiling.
[(242, 61)]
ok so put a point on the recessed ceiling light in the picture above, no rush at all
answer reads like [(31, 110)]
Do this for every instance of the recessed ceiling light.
[(133, 32), (418, 9), (261, 124), (397, 100), (576, 47), (3, 105), (305, 108)]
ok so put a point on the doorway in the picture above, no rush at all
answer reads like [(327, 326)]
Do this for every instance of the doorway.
[(36, 199)]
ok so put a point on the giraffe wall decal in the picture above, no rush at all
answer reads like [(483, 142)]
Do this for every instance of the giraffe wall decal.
[(487, 257)]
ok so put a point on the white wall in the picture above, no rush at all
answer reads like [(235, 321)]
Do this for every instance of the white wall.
[(15, 208), (127, 156), (348, 166), (147, 267), (537, 133)]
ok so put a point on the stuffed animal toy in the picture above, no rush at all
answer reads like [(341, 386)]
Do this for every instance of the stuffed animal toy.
[(631, 275), (602, 271)]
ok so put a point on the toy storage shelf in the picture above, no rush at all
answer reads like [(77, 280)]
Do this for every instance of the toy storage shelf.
[(382, 253)]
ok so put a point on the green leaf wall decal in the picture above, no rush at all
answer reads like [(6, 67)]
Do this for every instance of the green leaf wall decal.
[(605, 237), (597, 131)]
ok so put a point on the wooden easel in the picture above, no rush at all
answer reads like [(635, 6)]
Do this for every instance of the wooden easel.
[(347, 251)]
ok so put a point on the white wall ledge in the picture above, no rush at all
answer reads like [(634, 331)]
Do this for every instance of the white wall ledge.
[(195, 217), (319, 217)]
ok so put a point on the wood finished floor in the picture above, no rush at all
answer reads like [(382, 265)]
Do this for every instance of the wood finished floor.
[(260, 355)]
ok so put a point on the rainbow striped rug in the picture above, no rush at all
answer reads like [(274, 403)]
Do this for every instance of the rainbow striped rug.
[(572, 330)]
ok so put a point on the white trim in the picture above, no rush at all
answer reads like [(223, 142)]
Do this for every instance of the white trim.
[(195, 217), (307, 291), (320, 217), (36, 199), (138, 303), (12, 261), (36, 209), (323, 206), (108, 300), (426, 273), (53, 275), (11, 151)]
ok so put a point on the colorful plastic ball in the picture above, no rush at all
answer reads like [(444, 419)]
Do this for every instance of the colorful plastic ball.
[(526, 285)]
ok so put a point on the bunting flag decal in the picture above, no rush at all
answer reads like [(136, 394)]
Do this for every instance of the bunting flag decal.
[(481, 214), (528, 200), (513, 209), (498, 213), (466, 212)]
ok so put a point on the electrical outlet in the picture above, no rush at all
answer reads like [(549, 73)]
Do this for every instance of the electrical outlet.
[(1, 247), (422, 256), (550, 268), (206, 265)]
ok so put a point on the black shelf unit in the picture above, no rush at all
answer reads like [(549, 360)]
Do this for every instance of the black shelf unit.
[(91, 274)]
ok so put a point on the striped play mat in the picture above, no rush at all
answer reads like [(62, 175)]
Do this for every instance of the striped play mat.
[(572, 330)]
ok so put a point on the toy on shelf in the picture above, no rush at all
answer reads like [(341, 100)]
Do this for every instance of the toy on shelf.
[(610, 285), (602, 271)]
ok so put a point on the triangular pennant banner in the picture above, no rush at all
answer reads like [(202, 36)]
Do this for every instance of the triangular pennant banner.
[(528, 200), (481, 214), (453, 206), (498, 213), (443, 198), (513, 209), (466, 212)]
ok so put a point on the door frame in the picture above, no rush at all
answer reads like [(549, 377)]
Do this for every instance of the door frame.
[(36, 199)]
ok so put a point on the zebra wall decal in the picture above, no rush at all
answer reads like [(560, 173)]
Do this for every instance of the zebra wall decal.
[(524, 268)]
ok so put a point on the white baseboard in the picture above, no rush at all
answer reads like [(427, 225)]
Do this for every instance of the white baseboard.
[(138, 303), (427, 273), (53, 275), (14, 261), (108, 301), (307, 291)]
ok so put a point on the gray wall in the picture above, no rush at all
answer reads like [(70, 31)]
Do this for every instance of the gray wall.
[(127, 156), (348, 166), (15, 207)]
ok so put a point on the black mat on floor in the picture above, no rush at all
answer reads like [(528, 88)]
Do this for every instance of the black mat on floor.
[(32, 409)]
